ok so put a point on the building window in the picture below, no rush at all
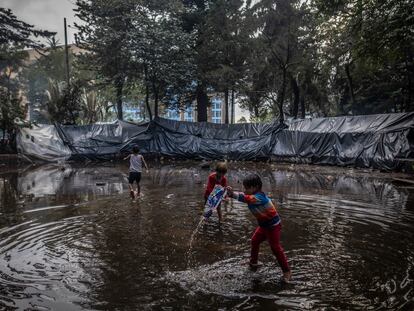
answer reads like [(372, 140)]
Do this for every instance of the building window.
[(172, 114), (216, 110), (138, 113), (133, 112), (188, 114)]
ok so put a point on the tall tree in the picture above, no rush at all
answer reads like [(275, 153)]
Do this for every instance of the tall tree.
[(226, 41), (11, 109), (103, 33), (162, 49), (15, 35), (18, 33), (194, 21), (274, 32), (369, 48)]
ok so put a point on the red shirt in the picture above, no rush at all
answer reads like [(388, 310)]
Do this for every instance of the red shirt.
[(212, 181)]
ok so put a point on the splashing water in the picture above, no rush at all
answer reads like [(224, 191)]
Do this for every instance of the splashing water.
[(190, 248)]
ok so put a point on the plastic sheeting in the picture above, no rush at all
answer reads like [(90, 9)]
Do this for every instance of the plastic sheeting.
[(363, 141), (54, 143), (190, 140), (101, 141), (42, 142)]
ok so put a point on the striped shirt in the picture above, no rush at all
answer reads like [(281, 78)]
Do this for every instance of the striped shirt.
[(261, 207), (135, 163)]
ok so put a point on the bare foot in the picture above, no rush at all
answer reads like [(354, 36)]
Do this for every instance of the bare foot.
[(132, 194), (254, 266), (286, 276)]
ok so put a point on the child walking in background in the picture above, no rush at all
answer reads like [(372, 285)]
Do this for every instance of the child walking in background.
[(269, 222), (216, 178), (135, 170)]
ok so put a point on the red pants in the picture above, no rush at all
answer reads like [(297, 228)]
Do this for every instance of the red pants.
[(272, 235)]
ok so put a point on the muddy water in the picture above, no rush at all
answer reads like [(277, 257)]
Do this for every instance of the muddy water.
[(72, 239)]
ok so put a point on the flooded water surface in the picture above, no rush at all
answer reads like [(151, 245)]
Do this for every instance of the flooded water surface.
[(72, 239)]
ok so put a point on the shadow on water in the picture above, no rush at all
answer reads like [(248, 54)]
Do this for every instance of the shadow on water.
[(71, 239)]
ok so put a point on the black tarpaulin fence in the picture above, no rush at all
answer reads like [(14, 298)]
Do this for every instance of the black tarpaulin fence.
[(363, 141), (378, 141), (212, 141)]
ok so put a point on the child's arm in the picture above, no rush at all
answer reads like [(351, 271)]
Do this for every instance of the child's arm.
[(145, 163), (127, 156), (245, 198), (240, 196), (210, 186)]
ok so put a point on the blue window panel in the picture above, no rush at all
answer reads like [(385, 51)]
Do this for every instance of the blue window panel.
[(216, 120), (216, 110), (188, 114), (172, 115), (216, 104)]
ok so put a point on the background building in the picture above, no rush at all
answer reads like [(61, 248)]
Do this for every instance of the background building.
[(215, 112)]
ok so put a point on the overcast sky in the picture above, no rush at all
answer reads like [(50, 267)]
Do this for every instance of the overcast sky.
[(45, 14)]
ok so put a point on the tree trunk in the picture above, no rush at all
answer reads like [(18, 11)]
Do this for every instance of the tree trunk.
[(408, 69), (202, 102), (296, 94), (155, 91), (302, 105), (281, 97), (226, 106), (350, 85), (147, 101), (147, 93), (256, 112), (233, 117), (119, 85), (4, 128)]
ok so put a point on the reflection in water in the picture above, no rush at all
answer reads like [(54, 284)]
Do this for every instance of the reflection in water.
[(71, 239)]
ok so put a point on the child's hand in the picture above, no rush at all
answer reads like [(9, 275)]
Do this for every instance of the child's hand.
[(229, 191)]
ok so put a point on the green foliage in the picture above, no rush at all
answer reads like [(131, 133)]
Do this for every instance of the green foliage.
[(290, 57), (18, 33), (11, 108), (64, 102), (14, 36), (341, 57), (138, 42), (104, 34), (368, 51), (275, 56), (161, 48), (50, 66), (92, 107), (11, 112), (242, 120)]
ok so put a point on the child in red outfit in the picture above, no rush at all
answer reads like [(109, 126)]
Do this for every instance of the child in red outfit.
[(269, 222), (216, 178)]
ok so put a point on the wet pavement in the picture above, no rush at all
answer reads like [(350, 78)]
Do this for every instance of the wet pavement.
[(72, 239)]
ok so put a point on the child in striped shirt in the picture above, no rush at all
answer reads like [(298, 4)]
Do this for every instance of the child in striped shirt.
[(268, 219)]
